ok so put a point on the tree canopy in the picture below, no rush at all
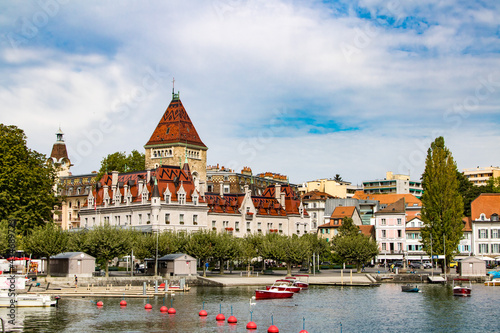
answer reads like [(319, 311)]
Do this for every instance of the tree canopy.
[(350, 245), (122, 162), (26, 182), (442, 203), (46, 241)]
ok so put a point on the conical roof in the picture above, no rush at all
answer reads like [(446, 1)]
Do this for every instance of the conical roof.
[(175, 127)]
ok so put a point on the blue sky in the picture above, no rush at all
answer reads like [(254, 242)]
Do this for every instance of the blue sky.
[(308, 89)]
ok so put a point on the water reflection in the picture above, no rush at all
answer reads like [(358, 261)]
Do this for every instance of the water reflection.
[(385, 308)]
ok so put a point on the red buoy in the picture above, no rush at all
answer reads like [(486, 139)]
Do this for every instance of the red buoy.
[(251, 326), (273, 329), (123, 303), (164, 309), (220, 317), (148, 306), (99, 303), (171, 311), (303, 331), (232, 320), (203, 313)]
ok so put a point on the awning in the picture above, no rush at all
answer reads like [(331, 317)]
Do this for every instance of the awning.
[(485, 258)]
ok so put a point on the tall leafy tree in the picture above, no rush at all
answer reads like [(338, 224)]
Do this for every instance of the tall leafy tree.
[(46, 241), (350, 245), (317, 246), (251, 246), (201, 245), (106, 243), (290, 249), (226, 248), (338, 178), (26, 182), (442, 203), (122, 162)]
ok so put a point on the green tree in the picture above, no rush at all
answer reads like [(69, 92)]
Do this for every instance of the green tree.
[(122, 162), (337, 178), (106, 243), (442, 203), (26, 182), (4, 240), (350, 245), (46, 241), (290, 249), (468, 191), (492, 185), (317, 246), (201, 245), (226, 248), (251, 246)]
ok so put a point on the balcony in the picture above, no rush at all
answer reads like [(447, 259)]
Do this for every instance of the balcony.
[(249, 216)]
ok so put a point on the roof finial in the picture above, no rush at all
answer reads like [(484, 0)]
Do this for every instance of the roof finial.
[(173, 85)]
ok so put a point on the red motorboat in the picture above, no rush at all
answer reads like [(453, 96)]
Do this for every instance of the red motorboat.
[(460, 287), (272, 293), (300, 283), (284, 284)]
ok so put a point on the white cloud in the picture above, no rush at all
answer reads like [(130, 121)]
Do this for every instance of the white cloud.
[(236, 62)]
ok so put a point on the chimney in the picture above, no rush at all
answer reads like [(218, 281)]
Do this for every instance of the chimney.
[(114, 178), (278, 191), (139, 190), (149, 176), (221, 189), (202, 190), (282, 200), (246, 188)]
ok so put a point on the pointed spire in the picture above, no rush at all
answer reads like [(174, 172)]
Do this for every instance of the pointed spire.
[(156, 191)]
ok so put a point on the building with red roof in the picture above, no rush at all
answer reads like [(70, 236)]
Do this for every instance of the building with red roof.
[(485, 210)]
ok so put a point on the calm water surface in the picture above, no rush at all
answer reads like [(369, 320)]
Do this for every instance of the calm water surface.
[(326, 309)]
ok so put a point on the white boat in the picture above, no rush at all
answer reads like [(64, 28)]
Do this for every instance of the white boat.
[(27, 300)]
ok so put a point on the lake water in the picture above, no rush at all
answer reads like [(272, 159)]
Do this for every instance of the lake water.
[(326, 309)]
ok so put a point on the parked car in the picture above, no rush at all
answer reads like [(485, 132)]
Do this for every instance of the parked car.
[(427, 265), (398, 264), (453, 263), (415, 265)]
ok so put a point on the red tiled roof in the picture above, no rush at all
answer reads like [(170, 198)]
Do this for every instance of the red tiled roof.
[(59, 151), (171, 177), (388, 199), (316, 195), (467, 223), (367, 230), (396, 207), (175, 126), (292, 201), (487, 204), (343, 211)]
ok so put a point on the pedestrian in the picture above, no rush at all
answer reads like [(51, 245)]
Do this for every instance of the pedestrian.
[(137, 267), (76, 281), (363, 268)]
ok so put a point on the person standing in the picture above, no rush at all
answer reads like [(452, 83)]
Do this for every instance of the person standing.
[(76, 281)]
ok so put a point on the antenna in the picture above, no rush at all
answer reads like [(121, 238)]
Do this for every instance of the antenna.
[(173, 85)]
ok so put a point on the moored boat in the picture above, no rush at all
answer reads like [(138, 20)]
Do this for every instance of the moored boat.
[(272, 293), (460, 287), (300, 283), (284, 284), (27, 300), (410, 288)]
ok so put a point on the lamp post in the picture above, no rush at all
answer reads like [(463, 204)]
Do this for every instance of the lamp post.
[(156, 256)]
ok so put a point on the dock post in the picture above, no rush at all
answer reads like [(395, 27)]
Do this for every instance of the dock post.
[(156, 286), (342, 276), (351, 276), (144, 288)]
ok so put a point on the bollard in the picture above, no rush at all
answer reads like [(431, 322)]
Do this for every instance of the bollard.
[(144, 288), (351, 276), (156, 286)]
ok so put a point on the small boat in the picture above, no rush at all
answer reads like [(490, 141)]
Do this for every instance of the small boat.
[(493, 282), (408, 288), (460, 287), (300, 283), (284, 284), (272, 293), (27, 300)]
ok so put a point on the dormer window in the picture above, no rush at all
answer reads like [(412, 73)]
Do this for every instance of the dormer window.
[(494, 217), (182, 198), (195, 200), (167, 198), (482, 217), (144, 197)]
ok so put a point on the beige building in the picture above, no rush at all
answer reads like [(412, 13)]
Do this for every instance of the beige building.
[(175, 142), (479, 176), (332, 187), (393, 184)]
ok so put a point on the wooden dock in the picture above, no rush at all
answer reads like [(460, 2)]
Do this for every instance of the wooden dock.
[(127, 291), (436, 279)]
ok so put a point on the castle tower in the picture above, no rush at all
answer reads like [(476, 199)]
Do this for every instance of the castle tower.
[(175, 141), (59, 155)]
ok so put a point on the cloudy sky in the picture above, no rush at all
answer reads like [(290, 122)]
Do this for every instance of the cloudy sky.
[(308, 89)]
